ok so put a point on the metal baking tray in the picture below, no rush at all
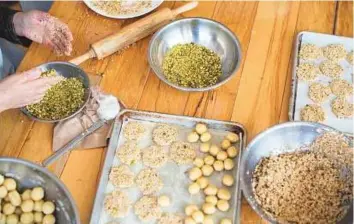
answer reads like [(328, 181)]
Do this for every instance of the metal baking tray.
[(321, 39), (181, 121)]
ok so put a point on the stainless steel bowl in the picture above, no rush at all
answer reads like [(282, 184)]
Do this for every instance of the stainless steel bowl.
[(67, 70), (29, 175), (278, 139), (205, 32)]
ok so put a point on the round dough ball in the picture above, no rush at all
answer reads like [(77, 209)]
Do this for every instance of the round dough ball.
[(2, 218), (8, 209), (10, 184), (214, 149), (194, 188), (209, 160), (204, 147), (232, 137), (3, 192), (38, 217), (2, 178), (225, 144), (205, 137), (27, 206), (224, 194), (193, 137), (189, 220), (232, 151), (12, 219), (27, 218), (48, 207), (26, 195), (198, 162), (208, 220), (222, 155), (218, 165), (190, 209), (195, 173), (223, 205), (198, 216), (208, 208), (202, 182), (201, 128), (48, 219), (225, 221), (37, 193), (164, 201), (212, 199), (229, 164), (228, 180), (15, 198), (207, 170), (210, 190), (38, 206)]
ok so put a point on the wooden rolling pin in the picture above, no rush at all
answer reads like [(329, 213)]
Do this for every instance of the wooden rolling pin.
[(132, 33)]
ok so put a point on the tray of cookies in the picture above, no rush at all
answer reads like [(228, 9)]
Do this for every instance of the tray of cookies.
[(167, 169), (322, 81)]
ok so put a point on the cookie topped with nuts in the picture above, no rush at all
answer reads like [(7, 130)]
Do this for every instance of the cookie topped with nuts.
[(334, 52)]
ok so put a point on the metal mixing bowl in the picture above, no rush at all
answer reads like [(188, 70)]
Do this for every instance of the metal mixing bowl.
[(278, 139), (30, 175), (67, 70), (205, 32)]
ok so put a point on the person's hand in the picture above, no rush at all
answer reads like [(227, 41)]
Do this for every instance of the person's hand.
[(44, 29), (26, 88)]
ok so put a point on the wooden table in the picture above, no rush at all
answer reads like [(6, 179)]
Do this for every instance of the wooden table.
[(257, 97)]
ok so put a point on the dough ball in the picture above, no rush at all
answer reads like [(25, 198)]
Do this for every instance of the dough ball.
[(218, 165), (48, 219), (201, 128), (225, 221), (224, 194), (37, 193), (209, 160), (26, 195), (208, 208), (223, 205), (210, 190), (189, 209), (225, 144), (232, 151), (27, 206), (38, 206), (214, 149), (222, 155), (208, 220), (10, 184), (194, 188), (189, 220), (207, 170), (15, 198), (2, 179), (195, 173), (8, 209), (38, 217), (3, 191), (48, 207), (228, 180), (229, 164), (12, 219), (198, 162), (164, 201), (27, 218), (193, 137), (198, 216), (212, 199), (205, 137), (232, 137), (202, 182), (204, 147)]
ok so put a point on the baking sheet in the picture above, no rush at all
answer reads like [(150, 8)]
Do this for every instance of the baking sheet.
[(176, 190), (300, 88)]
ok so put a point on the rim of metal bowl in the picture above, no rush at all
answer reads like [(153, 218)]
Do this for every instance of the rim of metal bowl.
[(189, 89), (25, 111), (51, 175), (255, 206)]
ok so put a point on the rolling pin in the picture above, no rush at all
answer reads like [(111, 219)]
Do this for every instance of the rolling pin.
[(132, 33)]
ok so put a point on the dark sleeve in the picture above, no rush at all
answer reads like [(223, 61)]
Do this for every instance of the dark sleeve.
[(7, 29)]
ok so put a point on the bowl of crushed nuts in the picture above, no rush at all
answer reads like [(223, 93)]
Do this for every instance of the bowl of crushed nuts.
[(194, 54), (66, 98)]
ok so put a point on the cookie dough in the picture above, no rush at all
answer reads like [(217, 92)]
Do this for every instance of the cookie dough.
[(133, 131), (154, 156), (312, 113), (182, 153), (334, 52), (350, 57), (341, 107), (129, 153), (147, 209), (331, 69), (341, 87), (307, 71), (170, 218), (310, 52), (164, 134), (117, 204), (121, 176), (149, 181), (318, 92)]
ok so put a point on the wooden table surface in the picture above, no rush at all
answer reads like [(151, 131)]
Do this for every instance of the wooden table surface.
[(257, 97)]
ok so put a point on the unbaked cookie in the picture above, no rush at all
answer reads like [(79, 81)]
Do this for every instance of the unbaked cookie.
[(312, 113), (341, 87), (331, 69), (134, 131), (117, 204), (350, 57), (182, 152), (121, 176), (149, 181), (310, 52), (147, 209), (334, 52), (129, 153), (341, 107), (318, 92), (164, 134), (307, 71), (170, 218), (154, 156)]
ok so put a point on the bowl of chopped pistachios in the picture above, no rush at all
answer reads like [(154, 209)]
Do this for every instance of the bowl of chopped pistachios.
[(66, 98), (194, 54)]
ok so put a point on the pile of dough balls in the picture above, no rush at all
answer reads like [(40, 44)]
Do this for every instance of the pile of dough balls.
[(200, 133), (195, 215), (28, 207)]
